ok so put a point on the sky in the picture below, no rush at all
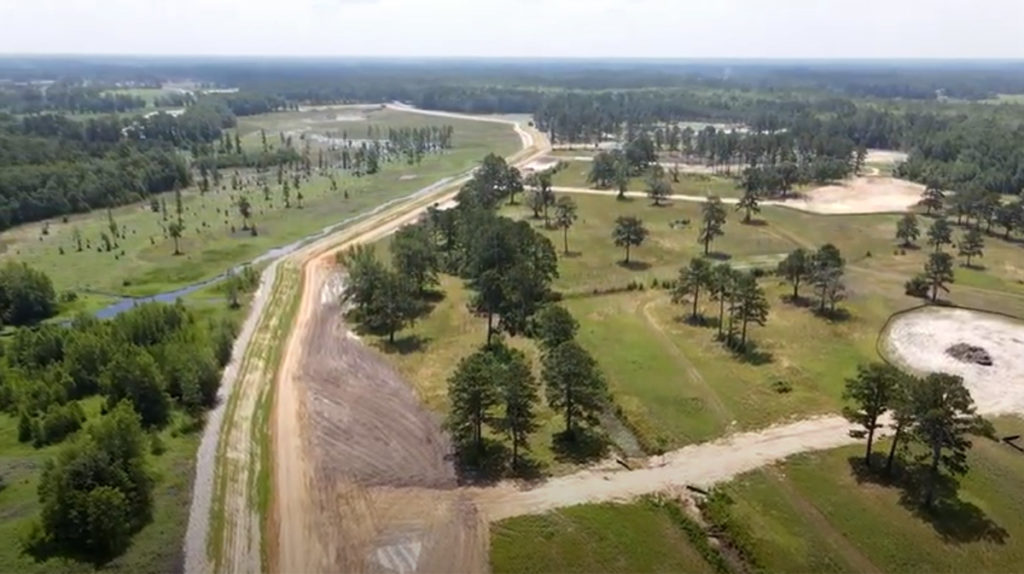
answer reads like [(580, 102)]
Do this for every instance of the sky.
[(518, 28)]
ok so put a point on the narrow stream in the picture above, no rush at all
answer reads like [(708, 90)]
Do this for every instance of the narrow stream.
[(127, 303)]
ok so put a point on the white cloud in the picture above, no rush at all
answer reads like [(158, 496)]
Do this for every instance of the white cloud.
[(585, 28)]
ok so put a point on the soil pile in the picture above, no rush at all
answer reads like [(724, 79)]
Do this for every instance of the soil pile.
[(970, 354)]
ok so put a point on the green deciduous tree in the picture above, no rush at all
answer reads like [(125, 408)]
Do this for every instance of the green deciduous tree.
[(692, 278), (938, 270), (940, 233), (972, 244), (97, 491), (712, 221), (750, 304), (574, 385), (565, 217), (415, 256), (629, 232), (554, 325), (944, 414), (870, 393), (132, 374), (797, 267), (907, 230)]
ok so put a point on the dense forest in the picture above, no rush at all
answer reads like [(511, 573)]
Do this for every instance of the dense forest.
[(818, 115), (146, 364)]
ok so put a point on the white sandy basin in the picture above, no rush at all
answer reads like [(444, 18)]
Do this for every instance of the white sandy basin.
[(919, 339)]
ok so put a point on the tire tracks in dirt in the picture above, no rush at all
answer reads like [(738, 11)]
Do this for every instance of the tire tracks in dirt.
[(369, 487)]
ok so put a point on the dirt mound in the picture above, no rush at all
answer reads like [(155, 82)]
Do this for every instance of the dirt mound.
[(920, 342), (970, 354)]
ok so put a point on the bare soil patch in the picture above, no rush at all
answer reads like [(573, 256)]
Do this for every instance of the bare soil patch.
[(860, 195), (920, 340), (885, 156)]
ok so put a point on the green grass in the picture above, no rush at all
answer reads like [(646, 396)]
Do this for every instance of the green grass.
[(575, 175), (446, 335), (156, 548), (593, 262), (640, 537), (808, 514), (148, 265)]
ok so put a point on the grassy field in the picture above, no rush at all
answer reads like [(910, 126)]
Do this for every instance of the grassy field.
[(674, 383), (148, 94), (640, 537), (593, 262), (812, 513), (446, 335), (156, 548), (144, 263), (575, 175)]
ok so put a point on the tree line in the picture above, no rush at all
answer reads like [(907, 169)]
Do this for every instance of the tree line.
[(930, 420), (146, 362), (509, 267)]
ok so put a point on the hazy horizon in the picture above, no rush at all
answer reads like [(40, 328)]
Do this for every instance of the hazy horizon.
[(525, 29)]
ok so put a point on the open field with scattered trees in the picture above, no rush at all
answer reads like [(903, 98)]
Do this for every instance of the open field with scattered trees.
[(138, 256), (547, 358)]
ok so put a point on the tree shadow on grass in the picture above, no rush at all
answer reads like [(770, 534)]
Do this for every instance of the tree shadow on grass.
[(751, 354), (484, 466), (719, 256), (583, 445), (799, 301), (756, 222), (635, 265), (405, 345), (838, 315), (570, 254), (698, 321), (957, 521), (494, 463)]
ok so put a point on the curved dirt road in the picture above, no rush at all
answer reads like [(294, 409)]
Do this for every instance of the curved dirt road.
[(363, 477)]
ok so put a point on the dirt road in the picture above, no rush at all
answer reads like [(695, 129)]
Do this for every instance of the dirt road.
[(363, 477), (858, 196), (701, 464)]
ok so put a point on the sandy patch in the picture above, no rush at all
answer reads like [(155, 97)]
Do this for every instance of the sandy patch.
[(539, 165), (885, 156), (407, 177), (861, 195), (919, 341)]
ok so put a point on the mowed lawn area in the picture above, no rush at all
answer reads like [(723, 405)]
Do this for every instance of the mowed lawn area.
[(143, 262), (575, 173), (672, 381), (813, 513), (640, 537)]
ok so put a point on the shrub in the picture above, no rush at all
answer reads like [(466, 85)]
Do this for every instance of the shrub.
[(917, 287), (782, 387)]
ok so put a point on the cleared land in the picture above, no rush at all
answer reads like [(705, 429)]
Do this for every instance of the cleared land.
[(815, 512), (144, 263), (301, 523), (920, 341)]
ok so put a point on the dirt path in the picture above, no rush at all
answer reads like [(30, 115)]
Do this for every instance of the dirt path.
[(373, 487), (860, 196), (701, 464)]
